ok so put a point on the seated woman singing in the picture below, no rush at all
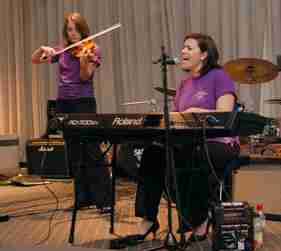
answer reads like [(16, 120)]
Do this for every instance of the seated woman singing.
[(205, 88)]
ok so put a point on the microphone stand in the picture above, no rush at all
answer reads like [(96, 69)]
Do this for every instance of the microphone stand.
[(170, 241)]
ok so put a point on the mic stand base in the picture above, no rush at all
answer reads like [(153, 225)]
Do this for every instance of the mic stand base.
[(170, 243)]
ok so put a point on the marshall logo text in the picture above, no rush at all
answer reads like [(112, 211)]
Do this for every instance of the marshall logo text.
[(46, 149)]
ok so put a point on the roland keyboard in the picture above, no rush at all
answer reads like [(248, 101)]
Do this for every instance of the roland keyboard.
[(152, 126)]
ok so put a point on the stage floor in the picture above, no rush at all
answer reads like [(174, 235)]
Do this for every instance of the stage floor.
[(38, 221)]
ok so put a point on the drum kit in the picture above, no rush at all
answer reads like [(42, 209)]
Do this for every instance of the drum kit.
[(245, 71), (249, 71), (257, 71)]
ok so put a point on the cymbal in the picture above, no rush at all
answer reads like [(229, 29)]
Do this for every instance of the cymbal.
[(170, 91), (251, 70), (273, 101)]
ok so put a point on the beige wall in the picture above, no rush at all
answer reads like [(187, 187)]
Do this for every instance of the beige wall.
[(259, 184)]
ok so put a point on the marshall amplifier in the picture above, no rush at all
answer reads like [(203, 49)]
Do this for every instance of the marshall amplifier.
[(47, 157)]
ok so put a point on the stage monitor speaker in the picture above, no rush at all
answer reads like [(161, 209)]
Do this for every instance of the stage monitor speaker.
[(47, 157)]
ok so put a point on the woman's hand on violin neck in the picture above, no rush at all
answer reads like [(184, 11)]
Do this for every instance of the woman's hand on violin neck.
[(46, 53), (87, 65), (88, 57)]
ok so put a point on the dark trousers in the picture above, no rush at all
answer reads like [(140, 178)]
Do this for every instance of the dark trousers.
[(86, 161), (192, 173), (81, 105)]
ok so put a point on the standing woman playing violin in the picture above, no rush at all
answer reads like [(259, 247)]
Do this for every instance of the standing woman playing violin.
[(76, 66), (76, 69)]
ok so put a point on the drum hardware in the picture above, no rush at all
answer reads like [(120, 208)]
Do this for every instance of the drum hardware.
[(273, 101), (262, 144), (251, 70), (152, 102), (255, 142), (272, 150), (271, 130), (170, 91)]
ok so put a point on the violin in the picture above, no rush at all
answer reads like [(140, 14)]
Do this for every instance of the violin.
[(79, 48), (88, 41), (83, 48)]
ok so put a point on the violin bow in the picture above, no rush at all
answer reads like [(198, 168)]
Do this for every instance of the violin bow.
[(113, 27)]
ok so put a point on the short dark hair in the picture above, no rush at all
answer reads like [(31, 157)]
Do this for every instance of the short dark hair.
[(206, 44), (80, 24)]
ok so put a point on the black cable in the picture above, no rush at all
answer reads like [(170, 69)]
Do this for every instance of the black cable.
[(51, 217), (26, 201), (42, 164), (212, 166), (206, 149), (23, 209)]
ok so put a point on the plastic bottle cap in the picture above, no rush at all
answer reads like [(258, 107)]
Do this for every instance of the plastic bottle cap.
[(259, 207)]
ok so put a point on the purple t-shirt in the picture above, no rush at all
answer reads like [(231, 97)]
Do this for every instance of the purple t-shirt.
[(203, 92), (70, 86)]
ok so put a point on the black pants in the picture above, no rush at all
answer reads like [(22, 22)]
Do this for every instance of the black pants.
[(192, 176), (86, 161)]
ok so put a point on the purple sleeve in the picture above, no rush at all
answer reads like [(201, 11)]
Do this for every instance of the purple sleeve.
[(176, 100), (224, 84), (55, 58)]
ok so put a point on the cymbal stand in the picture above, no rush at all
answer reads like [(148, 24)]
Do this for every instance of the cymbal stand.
[(152, 102)]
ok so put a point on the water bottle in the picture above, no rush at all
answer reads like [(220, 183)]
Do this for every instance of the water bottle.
[(259, 225)]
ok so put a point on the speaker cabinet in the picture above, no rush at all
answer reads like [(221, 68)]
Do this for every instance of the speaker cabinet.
[(47, 157)]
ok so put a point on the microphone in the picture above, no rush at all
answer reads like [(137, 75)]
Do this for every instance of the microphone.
[(169, 61)]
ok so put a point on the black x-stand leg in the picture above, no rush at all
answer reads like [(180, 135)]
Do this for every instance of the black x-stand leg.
[(76, 203), (73, 220)]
